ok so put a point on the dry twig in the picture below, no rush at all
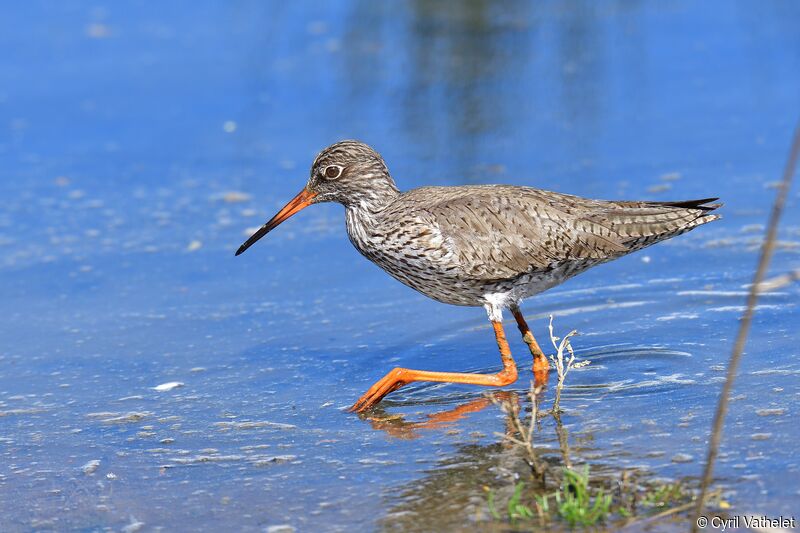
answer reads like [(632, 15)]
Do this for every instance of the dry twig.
[(563, 364)]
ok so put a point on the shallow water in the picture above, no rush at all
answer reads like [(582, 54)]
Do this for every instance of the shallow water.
[(139, 148)]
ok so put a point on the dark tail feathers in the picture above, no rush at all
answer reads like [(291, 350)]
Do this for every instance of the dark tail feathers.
[(693, 204)]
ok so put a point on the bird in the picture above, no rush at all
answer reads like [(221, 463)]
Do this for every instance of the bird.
[(489, 246)]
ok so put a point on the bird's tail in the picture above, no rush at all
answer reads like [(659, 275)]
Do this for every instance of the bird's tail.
[(644, 223)]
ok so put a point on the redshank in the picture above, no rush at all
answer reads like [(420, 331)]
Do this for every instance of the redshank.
[(486, 246)]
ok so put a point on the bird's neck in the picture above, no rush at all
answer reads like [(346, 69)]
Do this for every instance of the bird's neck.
[(364, 212), (364, 218), (372, 201)]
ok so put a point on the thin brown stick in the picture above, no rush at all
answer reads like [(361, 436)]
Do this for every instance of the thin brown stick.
[(671, 511), (767, 250)]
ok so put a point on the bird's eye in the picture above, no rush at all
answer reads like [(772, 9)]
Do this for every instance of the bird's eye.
[(333, 171)]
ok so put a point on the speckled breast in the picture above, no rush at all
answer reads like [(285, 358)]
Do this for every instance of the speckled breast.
[(426, 270)]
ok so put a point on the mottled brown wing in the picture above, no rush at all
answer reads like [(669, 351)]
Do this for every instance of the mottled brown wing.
[(640, 224), (500, 232)]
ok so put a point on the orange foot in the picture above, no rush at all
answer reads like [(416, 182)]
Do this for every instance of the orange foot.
[(388, 383)]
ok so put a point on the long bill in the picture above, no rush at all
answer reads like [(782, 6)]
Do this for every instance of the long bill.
[(297, 203)]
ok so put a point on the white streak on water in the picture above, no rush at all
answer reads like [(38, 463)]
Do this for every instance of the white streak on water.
[(590, 309), (725, 293), (741, 308)]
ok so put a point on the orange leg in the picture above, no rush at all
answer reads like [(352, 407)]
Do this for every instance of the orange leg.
[(403, 376), (540, 363)]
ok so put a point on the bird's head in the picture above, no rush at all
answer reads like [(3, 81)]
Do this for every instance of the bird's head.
[(348, 172)]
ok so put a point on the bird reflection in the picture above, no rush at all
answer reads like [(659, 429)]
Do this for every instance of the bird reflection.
[(534, 446), (396, 425)]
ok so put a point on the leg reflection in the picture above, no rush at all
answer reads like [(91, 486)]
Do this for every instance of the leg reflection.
[(398, 427)]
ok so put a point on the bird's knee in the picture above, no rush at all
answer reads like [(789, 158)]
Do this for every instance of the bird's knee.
[(540, 363), (506, 377), (396, 373)]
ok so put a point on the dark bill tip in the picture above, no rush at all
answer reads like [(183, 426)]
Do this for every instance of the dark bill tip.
[(302, 200)]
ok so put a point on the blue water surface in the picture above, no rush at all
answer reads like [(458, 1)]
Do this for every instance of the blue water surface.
[(141, 144)]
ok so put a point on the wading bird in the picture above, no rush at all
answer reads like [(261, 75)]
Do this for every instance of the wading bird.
[(486, 246)]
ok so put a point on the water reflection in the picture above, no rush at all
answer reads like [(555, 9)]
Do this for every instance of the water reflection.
[(443, 82), (396, 425), (535, 449), (455, 489)]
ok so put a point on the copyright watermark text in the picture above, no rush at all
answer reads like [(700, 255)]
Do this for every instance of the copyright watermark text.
[(749, 521)]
